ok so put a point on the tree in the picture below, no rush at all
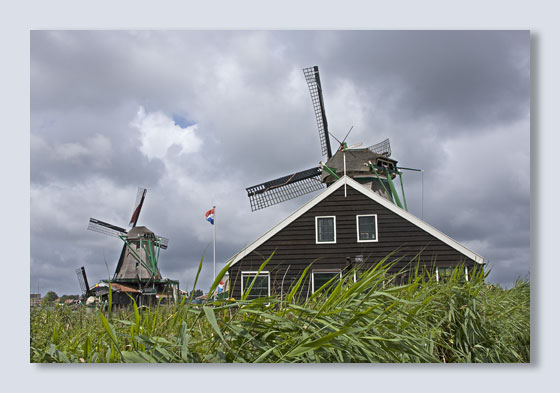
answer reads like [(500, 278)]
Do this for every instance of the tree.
[(196, 293), (51, 296)]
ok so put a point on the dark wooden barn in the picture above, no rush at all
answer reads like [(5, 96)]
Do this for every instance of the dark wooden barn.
[(347, 225)]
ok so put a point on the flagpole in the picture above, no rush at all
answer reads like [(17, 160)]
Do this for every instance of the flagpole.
[(214, 230)]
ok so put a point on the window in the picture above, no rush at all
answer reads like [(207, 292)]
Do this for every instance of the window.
[(261, 287), (325, 229), (366, 227), (321, 277), (443, 274)]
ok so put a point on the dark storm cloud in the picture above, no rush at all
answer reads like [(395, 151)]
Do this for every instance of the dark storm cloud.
[(462, 78), (198, 116)]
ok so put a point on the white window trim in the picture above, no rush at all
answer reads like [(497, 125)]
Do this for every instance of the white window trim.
[(358, 228), (317, 229), (339, 271), (466, 274), (254, 273)]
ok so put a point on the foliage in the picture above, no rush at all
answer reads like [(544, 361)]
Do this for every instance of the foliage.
[(49, 299), (51, 296), (196, 293), (364, 321), (63, 298)]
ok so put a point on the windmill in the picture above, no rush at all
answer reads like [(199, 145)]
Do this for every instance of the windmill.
[(370, 166), (137, 266)]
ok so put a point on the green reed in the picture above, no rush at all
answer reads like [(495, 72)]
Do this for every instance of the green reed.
[(363, 321)]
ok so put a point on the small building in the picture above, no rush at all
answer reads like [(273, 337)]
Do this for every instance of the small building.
[(123, 294), (35, 299), (348, 225)]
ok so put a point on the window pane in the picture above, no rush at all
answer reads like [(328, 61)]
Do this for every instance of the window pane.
[(260, 288), (445, 273), (325, 228), (366, 228), (321, 278)]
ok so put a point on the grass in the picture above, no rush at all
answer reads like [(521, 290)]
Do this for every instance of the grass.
[(363, 321)]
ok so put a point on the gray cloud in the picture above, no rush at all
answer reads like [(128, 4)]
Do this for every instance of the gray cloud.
[(455, 104)]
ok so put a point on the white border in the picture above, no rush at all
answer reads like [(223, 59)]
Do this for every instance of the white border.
[(358, 228), (339, 271), (317, 230), (370, 194), (253, 273), (293, 15)]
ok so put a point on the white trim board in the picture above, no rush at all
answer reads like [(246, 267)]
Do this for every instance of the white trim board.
[(370, 194), (255, 273), (317, 230), (319, 271), (358, 228)]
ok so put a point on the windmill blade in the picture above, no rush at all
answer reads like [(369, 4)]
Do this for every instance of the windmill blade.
[(284, 188), (82, 279), (314, 83), (383, 148), (164, 242), (105, 228), (349, 131), (137, 206)]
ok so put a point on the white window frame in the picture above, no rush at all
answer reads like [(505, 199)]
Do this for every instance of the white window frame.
[(317, 229), (253, 273), (466, 274), (339, 271), (358, 228)]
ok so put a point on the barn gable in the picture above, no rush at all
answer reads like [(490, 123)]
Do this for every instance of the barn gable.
[(295, 244)]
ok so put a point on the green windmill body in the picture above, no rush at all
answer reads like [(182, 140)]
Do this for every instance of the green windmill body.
[(140, 259)]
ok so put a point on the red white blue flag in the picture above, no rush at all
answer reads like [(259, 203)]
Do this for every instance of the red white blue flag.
[(210, 216)]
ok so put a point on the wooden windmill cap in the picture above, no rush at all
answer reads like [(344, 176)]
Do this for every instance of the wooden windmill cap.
[(139, 231), (356, 164)]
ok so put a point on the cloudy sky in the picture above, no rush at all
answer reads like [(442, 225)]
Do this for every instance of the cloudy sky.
[(198, 116)]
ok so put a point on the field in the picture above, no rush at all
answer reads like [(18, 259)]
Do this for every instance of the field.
[(363, 321)]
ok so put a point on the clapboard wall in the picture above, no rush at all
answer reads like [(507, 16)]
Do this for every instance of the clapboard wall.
[(295, 248)]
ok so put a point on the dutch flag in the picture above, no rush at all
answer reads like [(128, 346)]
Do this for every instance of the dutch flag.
[(210, 216)]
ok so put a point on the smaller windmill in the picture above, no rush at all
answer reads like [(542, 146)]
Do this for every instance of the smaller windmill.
[(137, 268)]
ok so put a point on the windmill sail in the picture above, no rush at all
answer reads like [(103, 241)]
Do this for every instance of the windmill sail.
[(284, 188), (105, 228), (137, 206), (164, 242), (300, 183), (82, 279), (113, 230), (314, 83), (383, 148)]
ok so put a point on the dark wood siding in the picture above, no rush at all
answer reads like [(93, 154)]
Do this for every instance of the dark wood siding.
[(295, 247)]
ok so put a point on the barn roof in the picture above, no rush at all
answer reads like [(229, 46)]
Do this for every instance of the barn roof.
[(370, 194), (123, 288)]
